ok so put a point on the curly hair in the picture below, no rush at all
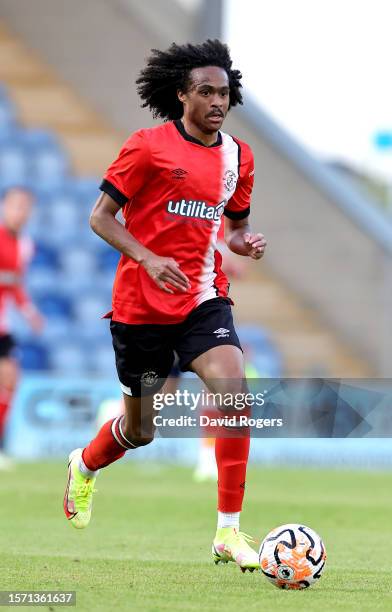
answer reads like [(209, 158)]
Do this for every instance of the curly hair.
[(169, 71)]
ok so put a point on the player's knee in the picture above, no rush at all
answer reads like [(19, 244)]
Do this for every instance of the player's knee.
[(8, 374), (227, 381), (232, 372)]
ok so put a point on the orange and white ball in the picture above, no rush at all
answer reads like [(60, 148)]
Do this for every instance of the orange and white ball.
[(292, 556)]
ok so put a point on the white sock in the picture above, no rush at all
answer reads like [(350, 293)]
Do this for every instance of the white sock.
[(229, 519), (85, 471)]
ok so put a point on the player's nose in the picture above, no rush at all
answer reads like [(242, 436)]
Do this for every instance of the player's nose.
[(216, 109), (217, 102)]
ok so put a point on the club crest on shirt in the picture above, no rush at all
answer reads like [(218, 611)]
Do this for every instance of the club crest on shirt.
[(230, 180)]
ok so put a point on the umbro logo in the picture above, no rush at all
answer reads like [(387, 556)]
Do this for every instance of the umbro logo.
[(179, 173), (222, 332)]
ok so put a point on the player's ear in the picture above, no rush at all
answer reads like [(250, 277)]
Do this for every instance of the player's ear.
[(181, 95)]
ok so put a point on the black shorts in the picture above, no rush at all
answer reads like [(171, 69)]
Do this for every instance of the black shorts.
[(145, 353), (7, 345)]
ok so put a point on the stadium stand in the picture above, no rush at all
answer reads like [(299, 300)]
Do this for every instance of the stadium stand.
[(45, 104)]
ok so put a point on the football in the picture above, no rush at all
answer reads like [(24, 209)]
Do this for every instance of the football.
[(292, 556)]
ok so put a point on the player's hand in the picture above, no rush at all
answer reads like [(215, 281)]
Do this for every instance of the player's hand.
[(36, 321), (255, 244), (166, 271)]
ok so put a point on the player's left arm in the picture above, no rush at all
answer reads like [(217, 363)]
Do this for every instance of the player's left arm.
[(241, 240), (238, 235), (19, 293), (27, 308)]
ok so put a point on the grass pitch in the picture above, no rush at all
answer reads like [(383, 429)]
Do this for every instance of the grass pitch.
[(148, 545)]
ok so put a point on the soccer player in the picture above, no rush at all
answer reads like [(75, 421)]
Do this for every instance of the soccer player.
[(16, 251), (173, 182)]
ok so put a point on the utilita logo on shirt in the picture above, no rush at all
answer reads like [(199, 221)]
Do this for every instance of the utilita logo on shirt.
[(196, 209)]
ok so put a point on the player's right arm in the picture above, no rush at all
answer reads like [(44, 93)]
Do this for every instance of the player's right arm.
[(163, 270), (122, 181)]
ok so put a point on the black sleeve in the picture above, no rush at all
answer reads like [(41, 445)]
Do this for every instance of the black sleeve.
[(237, 215), (113, 192)]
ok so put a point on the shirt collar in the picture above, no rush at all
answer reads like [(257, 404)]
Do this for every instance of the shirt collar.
[(180, 127)]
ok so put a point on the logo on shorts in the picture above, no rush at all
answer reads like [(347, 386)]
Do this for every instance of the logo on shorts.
[(222, 332), (230, 180), (149, 378)]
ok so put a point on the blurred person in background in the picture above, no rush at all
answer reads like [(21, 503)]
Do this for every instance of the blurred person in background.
[(16, 251)]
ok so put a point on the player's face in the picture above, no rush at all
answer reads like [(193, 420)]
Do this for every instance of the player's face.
[(17, 205), (207, 100)]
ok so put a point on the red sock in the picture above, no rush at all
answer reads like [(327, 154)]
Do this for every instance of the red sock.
[(5, 405), (109, 445), (231, 458)]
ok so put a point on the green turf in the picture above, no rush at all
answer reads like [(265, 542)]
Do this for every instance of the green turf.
[(148, 545)]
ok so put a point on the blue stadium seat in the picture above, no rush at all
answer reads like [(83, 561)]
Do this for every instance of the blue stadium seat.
[(49, 168), (68, 358), (7, 109), (45, 256), (63, 217), (13, 165), (56, 331), (75, 285), (35, 139), (253, 334), (38, 225), (104, 281), (54, 305), (42, 197), (68, 217), (7, 118), (63, 198), (260, 350), (90, 240), (8, 136), (41, 280), (33, 355), (8, 121), (107, 259), (77, 260), (95, 332), (102, 359), (268, 364), (86, 189), (91, 308)]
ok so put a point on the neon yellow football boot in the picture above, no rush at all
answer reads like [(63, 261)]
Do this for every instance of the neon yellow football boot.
[(78, 493), (232, 545)]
